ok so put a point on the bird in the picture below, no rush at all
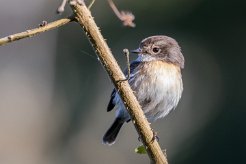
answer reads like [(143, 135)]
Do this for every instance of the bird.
[(156, 80)]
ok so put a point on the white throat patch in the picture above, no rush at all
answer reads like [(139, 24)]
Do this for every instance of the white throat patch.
[(145, 58)]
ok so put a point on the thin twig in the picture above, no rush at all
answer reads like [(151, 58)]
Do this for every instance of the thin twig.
[(126, 53), (128, 69), (125, 16), (42, 28), (90, 5), (61, 8), (86, 21), (114, 8)]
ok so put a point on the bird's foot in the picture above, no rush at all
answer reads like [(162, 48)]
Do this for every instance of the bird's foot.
[(155, 137), (139, 139)]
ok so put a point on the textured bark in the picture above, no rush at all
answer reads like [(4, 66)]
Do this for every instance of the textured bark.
[(85, 19), (35, 31)]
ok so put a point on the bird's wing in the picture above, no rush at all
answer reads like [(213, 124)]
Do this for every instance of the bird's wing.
[(111, 103)]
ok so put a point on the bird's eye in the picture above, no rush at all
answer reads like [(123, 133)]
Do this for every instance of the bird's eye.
[(156, 50)]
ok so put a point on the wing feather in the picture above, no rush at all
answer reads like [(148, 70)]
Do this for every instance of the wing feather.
[(111, 103)]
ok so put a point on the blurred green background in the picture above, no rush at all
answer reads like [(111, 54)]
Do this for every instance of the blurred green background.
[(54, 91)]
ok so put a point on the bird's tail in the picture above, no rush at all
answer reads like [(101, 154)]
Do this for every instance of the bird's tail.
[(111, 134)]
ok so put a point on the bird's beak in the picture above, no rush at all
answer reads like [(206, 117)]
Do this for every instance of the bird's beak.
[(136, 51)]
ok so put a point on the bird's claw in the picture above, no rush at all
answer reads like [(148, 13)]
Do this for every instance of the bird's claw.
[(155, 137)]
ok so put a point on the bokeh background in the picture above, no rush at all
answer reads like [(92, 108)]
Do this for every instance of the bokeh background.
[(54, 92)]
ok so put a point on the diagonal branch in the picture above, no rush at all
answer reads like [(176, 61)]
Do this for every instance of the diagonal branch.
[(85, 19), (29, 33)]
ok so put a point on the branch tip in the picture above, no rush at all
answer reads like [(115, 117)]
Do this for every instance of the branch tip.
[(61, 8), (126, 17)]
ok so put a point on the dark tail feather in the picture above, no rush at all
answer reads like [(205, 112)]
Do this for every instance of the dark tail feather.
[(110, 136)]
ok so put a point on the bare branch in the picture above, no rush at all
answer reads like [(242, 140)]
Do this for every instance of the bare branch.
[(85, 19), (126, 53), (125, 16), (61, 8), (42, 28), (90, 5)]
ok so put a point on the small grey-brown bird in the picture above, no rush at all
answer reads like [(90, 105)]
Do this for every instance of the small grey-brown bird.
[(155, 78)]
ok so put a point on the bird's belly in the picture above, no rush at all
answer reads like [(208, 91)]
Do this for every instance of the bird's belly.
[(158, 93)]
